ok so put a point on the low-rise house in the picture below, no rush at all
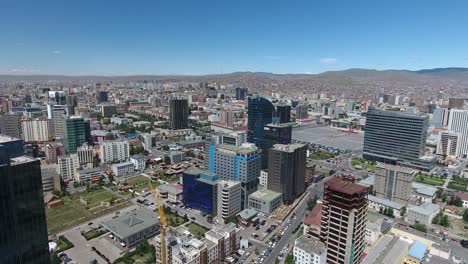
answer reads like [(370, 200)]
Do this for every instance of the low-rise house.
[(423, 213), (51, 200)]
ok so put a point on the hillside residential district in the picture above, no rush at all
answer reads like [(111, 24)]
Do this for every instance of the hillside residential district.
[(182, 172)]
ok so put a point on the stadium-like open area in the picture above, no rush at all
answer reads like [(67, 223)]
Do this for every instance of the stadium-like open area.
[(331, 137)]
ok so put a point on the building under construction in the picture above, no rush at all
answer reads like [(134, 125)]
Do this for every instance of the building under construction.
[(344, 217)]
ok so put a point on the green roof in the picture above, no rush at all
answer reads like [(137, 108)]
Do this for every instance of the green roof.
[(238, 149)]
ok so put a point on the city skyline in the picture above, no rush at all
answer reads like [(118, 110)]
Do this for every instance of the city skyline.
[(87, 38)]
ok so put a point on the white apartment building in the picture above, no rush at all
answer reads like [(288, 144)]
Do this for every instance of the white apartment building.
[(85, 154), (448, 143), (139, 162), (68, 167), (263, 179), (458, 123), (123, 169), (308, 250), (36, 130), (229, 199), (114, 151)]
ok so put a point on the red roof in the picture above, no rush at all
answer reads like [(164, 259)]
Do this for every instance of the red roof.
[(345, 185), (463, 196), (315, 216)]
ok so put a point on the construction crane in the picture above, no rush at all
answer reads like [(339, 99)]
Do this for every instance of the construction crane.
[(162, 224)]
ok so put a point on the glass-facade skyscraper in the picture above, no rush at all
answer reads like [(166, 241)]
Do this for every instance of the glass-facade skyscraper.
[(284, 113), (274, 134), (179, 113), (395, 137), (200, 191), (261, 112), (23, 234), (75, 133)]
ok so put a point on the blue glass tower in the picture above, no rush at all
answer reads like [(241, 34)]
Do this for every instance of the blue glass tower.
[(200, 191), (261, 112)]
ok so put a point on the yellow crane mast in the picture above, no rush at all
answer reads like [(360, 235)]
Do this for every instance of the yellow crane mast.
[(162, 224)]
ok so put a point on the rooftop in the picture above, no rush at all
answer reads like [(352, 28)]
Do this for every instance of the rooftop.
[(169, 188), (314, 217), (425, 208), (424, 189), (310, 245), (396, 168), (265, 195), (385, 202), (5, 138), (248, 213), (417, 250), (368, 181), (463, 196), (345, 185), (132, 222), (288, 147), (238, 149)]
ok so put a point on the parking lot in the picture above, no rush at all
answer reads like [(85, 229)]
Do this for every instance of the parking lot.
[(329, 137)]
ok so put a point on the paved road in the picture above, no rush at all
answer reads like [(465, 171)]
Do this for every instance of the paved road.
[(301, 210)]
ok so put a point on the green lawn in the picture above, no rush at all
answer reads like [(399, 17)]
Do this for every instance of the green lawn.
[(170, 178), (428, 179), (362, 164), (63, 244), (173, 219), (322, 155), (73, 212), (94, 233), (140, 182), (196, 229), (458, 183)]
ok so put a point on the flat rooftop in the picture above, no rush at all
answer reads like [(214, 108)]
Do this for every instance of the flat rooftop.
[(396, 168), (265, 195), (345, 186), (5, 138), (238, 149), (310, 245)]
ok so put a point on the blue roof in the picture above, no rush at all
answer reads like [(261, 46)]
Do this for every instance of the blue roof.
[(417, 250)]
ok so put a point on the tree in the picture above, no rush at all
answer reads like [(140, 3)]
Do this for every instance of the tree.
[(312, 202), (457, 201), (390, 212), (186, 218), (142, 247), (444, 221), (165, 147), (167, 160), (112, 200), (111, 177), (381, 210), (231, 219), (420, 227), (403, 211), (54, 258), (465, 215), (289, 259)]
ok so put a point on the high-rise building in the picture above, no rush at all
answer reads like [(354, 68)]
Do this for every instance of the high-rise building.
[(85, 154), (68, 167), (87, 127), (74, 133), (394, 183), (396, 137), (229, 199), (241, 93), (458, 123), (114, 151), (226, 117), (260, 113), (201, 191), (237, 163), (302, 111), (456, 103), (448, 143), (284, 113), (72, 101), (102, 97), (57, 98), (179, 113), (10, 125), (23, 219), (57, 113), (286, 170), (53, 150), (344, 218), (108, 110), (440, 117), (274, 134), (36, 130), (149, 141)]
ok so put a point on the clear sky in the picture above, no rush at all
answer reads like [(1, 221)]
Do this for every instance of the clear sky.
[(113, 37)]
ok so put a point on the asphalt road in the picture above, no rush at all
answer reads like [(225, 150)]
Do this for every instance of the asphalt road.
[(301, 210)]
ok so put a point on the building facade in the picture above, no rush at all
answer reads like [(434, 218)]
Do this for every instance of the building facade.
[(10, 124), (36, 130), (458, 123), (114, 151), (448, 143), (229, 199), (23, 219), (179, 112), (394, 183), (265, 201), (286, 170), (123, 169), (308, 250), (85, 154), (284, 113), (260, 113), (201, 191), (344, 218), (68, 167), (74, 133), (237, 163), (395, 137), (274, 134)]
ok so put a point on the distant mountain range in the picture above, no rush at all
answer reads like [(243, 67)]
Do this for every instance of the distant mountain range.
[(452, 72)]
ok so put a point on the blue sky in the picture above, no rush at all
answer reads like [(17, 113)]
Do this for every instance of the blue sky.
[(199, 37)]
